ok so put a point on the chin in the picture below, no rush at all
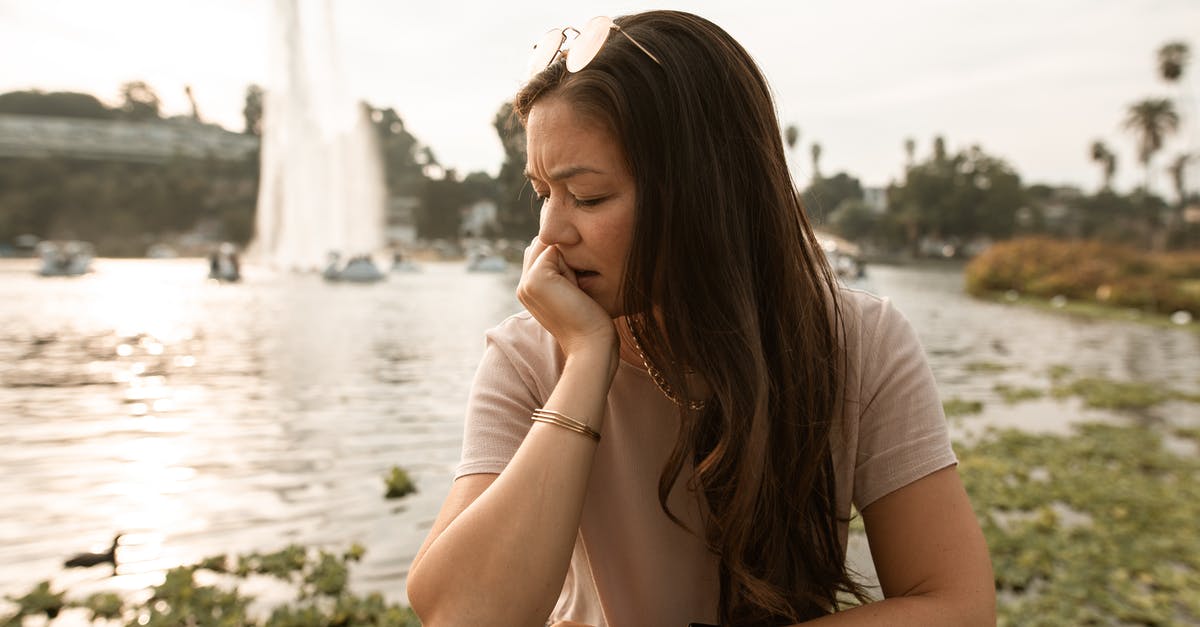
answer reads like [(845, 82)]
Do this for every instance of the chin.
[(610, 306)]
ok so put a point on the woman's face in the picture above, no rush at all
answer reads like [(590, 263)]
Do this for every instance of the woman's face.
[(578, 169)]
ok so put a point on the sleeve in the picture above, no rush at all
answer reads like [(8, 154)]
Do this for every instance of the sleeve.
[(501, 400), (902, 433)]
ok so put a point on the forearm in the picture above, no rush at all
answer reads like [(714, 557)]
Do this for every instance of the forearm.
[(503, 560), (915, 611)]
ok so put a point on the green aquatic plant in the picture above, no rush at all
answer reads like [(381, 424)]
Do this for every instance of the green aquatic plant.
[(1058, 372), (1102, 393), (179, 600), (322, 596), (985, 367), (1012, 394), (955, 407), (39, 600), (281, 564), (398, 484), (1098, 527), (104, 605)]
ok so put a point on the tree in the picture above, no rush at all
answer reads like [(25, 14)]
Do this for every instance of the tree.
[(1178, 170), (403, 155), (910, 151), (1107, 160), (939, 149), (957, 197), (59, 104), (252, 111), (854, 220), (442, 200), (816, 160), (139, 101), (791, 135), (1150, 121), (825, 195), (1172, 60), (517, 213)]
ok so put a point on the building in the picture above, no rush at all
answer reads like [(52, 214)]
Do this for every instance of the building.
[(875, 198), (480, 219)]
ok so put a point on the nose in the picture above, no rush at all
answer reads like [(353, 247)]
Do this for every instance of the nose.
[(555, 224)]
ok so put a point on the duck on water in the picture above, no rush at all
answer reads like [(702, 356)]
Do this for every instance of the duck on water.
[(87, 560)]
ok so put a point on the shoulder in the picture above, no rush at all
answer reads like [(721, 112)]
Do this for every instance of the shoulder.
[(871, 321), (527, 345), (521, 331)]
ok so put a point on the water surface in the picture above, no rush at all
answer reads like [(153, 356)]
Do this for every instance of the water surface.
[(201, 418)]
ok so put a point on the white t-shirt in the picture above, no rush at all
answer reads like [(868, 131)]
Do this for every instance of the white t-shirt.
[(634, 566)]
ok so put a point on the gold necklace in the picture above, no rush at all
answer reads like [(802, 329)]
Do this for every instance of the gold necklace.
[(659, 380)]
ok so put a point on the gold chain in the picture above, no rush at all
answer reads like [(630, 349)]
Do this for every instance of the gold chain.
[(659, 380)]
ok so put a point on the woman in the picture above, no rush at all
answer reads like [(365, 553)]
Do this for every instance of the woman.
[(706, 401)]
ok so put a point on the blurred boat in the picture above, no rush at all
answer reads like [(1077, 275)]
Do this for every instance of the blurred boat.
[(223, 264), (360, 269), (483, 260), (71, 258), (161, 251), (400, 263), (845, 257)]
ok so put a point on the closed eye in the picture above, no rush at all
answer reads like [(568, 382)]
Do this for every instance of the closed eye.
[(589, 202)]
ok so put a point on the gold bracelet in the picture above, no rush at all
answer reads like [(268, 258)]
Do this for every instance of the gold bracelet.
[(562, 420)]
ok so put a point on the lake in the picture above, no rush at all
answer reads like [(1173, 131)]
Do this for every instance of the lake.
[(199, 418)]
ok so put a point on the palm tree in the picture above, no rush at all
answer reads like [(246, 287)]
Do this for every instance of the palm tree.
[(1107, 160), (791, 135), (1178, 169), (1151, 121), (816, 157), (1172, 59)]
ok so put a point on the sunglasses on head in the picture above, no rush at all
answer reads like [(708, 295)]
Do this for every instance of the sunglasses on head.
[(580, 49)]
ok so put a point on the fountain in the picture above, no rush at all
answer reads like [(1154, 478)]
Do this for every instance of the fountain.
[(321, 187)]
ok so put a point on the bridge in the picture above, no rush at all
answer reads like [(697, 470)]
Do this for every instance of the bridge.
[(33, 136)]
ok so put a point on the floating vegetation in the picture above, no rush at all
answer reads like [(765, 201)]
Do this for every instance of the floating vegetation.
[(104, 605), (320, 578), (956, 407), (398, 484), (1058, 372), (1096, 528), (985, 367), (39, 600), (1192, 433), (1102, 393), (1012, 394)]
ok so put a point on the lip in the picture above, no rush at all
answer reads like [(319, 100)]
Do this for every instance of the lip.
[(586, 280)]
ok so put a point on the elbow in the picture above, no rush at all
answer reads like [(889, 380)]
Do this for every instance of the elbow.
[(432, 605), (420, 598), (983, 610), (975, 607)]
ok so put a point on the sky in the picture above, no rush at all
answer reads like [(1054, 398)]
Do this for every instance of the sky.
[(1034, 82)]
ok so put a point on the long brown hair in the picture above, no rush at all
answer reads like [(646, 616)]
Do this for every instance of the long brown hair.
[(724, 256)]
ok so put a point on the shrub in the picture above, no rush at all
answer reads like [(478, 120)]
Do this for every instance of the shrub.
[(1090, 271)]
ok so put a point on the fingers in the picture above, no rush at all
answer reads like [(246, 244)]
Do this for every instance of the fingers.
[(535, 248)]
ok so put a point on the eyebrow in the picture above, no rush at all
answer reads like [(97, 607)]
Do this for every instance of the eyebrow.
[(566, 173)]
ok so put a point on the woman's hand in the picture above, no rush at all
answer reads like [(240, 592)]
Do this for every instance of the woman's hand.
[(550, 291)]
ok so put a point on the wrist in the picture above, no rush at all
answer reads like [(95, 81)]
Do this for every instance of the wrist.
[(593, 357)]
